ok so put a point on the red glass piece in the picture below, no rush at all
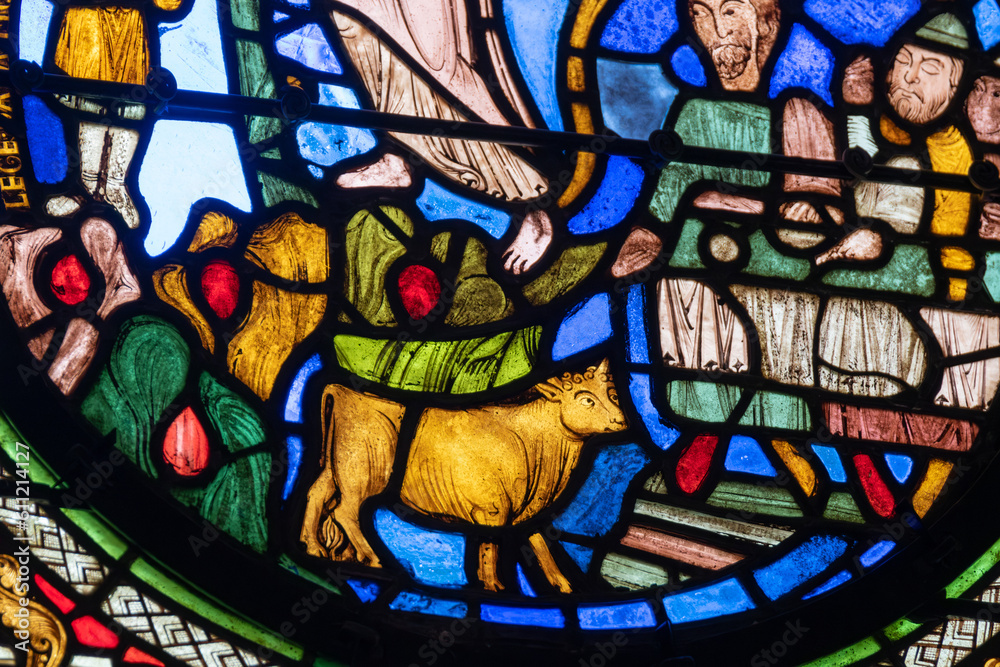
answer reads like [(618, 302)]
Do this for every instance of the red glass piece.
[(185, 446), (64, 604), (221, 287), (878, 493), (692, 468), (420, 290), (91, 633), (136, 656), (70, 282)]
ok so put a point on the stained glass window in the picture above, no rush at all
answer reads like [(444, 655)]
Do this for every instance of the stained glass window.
[(416, 332)]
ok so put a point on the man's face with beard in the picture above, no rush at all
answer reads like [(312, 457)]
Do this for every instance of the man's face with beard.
[(729, 30), (922, 83)]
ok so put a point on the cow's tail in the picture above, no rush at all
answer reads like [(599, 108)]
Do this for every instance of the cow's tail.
[(321, 533)]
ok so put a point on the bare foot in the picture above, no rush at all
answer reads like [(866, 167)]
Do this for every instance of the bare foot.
[(531, 243), (390, 171), (859, 245)]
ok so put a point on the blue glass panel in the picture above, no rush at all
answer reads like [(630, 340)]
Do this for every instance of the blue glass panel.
[(308, 45), (522, 581), (366, 590), (862, 21), (438, 203), (425, 604), (841, 577), (534, 29), (745, 455), (987, 14), (687, 67), (293, 447), (635, 97), (279, 16), (597, 505), (315, 171), (304, 4), (35, 16), (617, 616), (430, 556), (832, 463), (293, 404), (721, 599), (640, 26), (581, 555), (900, 466), (588, 324), (805, 62), (637, 348), (877, 552), (46, 141), (196, 160), (543, 618), (799, 565), (662, 432), (327, 144), (192, 49), (614, 198)]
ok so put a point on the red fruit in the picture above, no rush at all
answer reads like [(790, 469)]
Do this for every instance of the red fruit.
[(70, 282), (185, 447), (221, 287), (420, 290)]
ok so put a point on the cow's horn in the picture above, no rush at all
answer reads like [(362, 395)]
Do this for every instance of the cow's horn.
[(604, 367)]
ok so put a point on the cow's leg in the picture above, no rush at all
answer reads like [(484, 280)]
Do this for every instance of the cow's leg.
[(362, 462), (323, 490), (489, 555), (548, 564)]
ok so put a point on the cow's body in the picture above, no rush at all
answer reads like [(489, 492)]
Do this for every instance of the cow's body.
[(493, 465)]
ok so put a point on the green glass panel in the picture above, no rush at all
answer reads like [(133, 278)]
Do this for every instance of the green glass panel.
[(841, 507), (686, 251), (371, 249), (713, 124), (757, 498), (572, 266), (991, 277), (624, 572), (457, 367), (245, 14), (276, 190), (478, 299), (848, 656), (909, 271), (974, 572), (235, 500), (702, 401), (146, 372), (37, 470), (256, 81), (766, 261), (773, 410), (900, 629), (99, 531)]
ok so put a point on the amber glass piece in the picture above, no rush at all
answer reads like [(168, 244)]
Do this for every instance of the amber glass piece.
[(171, 286), (215, 230), (931, 485), (105, 43), (585, 162)]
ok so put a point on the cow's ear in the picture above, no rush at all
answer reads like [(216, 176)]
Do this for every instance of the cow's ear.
[(550, 391)]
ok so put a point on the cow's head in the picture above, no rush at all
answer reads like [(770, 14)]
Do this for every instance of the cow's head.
[(588, 401)]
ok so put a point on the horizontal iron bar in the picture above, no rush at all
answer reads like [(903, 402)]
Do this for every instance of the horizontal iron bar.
[(184, 102)]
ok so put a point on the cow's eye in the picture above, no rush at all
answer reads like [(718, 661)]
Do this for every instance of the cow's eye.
[(587, 402), (613, 395)]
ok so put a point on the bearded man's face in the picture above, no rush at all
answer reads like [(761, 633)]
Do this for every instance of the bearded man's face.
[(922, 83), (730, 31)]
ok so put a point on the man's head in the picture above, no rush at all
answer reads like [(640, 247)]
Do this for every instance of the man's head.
[(983, 109), (738, 35), (922, 83)]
